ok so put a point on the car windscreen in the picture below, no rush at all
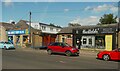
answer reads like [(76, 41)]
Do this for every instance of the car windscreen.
[(66, 45), (7, 43)]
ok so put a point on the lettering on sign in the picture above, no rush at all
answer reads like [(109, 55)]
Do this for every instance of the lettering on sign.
[(90, 31)]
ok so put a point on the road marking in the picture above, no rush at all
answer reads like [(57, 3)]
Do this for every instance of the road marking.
[(62, 62)]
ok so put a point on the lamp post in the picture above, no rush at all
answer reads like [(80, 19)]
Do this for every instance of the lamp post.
[(118, 40), (30, 27)]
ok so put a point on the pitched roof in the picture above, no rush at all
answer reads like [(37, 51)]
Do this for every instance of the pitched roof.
[(68, 30), (22, 25), (7, 26)]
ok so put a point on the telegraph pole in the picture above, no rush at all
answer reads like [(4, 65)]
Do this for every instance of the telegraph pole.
[(30, 27), (118, 40)]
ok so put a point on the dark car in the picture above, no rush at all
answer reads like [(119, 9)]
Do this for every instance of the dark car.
[(109, 55), (64, 48)]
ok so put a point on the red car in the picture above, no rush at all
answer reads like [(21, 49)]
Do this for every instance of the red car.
[(64, 48), (109, 55)]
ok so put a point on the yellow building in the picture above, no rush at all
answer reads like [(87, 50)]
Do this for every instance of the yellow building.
[(19, 35), (3, 28), (22, 37)]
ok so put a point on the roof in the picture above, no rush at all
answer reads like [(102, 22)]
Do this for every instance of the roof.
[(68, 30), (50, 25), (7, 26), (22, 25)]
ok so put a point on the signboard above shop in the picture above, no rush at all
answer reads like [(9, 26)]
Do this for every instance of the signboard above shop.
[(96, 30), (17, 32), (90, 31)]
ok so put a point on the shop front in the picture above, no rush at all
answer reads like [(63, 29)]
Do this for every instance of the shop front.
[(17, 37), (20, 38), (97, 37)]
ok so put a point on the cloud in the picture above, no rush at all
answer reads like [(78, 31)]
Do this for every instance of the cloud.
[(102, 8), (66, 10), (114, 9), (88, 8), (8, 2), (51, 0), (91, 20)]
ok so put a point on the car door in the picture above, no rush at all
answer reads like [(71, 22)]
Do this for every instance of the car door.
[(58, 47), (1, 44), (55, 47), (115, 54), (118, 53), (62, 48)]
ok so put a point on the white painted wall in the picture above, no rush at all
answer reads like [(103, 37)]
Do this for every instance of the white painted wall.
[(47, 30)]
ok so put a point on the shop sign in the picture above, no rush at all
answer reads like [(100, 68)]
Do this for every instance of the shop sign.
[(15, 32), (107, 30), (90, 31)]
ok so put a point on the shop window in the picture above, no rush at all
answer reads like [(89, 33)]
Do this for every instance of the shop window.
[(25, 39), (90, 41), (69, 36), (84, 41), (63, 39), (100, 41)]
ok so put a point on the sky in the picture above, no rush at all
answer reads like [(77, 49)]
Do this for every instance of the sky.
[(59, 13)]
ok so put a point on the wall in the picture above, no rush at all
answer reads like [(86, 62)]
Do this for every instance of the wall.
[(67, 40), (47, 30), (119, 40), (37, 26), (3, 35), (37, 41)]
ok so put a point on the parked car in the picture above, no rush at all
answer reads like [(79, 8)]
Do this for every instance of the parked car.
[(6, 45), (64, 48), (109, 55)]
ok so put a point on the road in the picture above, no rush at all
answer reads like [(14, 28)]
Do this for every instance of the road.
[(39, 59)]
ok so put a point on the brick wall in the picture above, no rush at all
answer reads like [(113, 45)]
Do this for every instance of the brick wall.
[(119, 40)]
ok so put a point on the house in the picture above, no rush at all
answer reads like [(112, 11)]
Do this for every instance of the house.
[(3, 28), (49, 32)]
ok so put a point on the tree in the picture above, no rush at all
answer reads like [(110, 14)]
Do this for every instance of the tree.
[(107, 19)]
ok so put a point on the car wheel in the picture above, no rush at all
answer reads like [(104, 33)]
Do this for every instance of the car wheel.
[(5, 48), (106, 57), (49, 52), (68, 53)]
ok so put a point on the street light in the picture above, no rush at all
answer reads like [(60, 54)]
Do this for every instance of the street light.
[(30, 27), (118, 25)]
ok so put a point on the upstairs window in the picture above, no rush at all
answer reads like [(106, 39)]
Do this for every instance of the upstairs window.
[(51, 29), (43, 28)]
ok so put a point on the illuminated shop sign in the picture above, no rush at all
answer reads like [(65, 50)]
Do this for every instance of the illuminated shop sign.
[(15, 32), (107, 30), (90, 31)]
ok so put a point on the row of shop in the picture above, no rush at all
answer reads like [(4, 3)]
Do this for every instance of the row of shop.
[(37, 40), (98, 37), (19, 35)]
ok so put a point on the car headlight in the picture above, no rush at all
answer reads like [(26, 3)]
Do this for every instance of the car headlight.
[(73, 49)]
